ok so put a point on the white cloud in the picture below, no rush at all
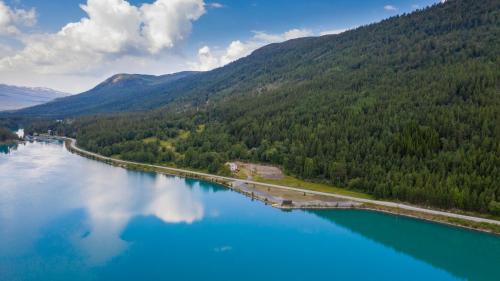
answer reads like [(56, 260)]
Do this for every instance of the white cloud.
[(215, 5), (390, 8), (290, 34), (333, 31), (11, 19), (207, 59), (111, 30), (78, 82), (169, 21), (238, 49), (5, 50)]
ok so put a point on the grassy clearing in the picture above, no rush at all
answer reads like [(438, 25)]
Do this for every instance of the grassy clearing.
[(183, 135), (241, 174), (150, 140), (168, 144), (298, 183), (294, 182), (200, 128), (164, 143)]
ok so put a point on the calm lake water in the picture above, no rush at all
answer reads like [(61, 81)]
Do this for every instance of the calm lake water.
[(64, 217)]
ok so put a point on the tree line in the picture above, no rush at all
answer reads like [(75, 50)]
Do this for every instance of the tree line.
[(406, 109)]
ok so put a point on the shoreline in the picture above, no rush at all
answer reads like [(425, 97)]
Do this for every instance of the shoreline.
[(284, 197), (11, 142)]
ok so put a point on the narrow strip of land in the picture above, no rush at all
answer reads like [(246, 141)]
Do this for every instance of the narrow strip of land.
[(355, 199)]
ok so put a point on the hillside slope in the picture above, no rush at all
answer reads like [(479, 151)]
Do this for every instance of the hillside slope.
[(15, 97), (118, 93), (408, 109)]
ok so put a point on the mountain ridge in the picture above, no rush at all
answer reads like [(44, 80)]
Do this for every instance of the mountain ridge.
[(16, 97), (406, 109), (109, 96)]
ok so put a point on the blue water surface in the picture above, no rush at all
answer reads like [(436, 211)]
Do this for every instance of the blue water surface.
[(64, 217)]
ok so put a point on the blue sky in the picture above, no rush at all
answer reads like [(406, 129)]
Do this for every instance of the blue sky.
[(240, 17), (197, 35)]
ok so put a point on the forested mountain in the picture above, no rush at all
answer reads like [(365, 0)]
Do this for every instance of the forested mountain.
[(15, 97), (120, 92), (407, 109)]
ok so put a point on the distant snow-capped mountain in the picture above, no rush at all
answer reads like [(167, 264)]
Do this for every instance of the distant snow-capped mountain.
[(15, 97)]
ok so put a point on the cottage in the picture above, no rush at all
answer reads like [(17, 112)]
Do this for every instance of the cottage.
[(232, 166)]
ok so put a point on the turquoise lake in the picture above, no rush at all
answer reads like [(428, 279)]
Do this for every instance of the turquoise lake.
[(64, 217)]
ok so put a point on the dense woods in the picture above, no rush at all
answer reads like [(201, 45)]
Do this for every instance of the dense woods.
[(7, 135), (120, 92), (406, 109)]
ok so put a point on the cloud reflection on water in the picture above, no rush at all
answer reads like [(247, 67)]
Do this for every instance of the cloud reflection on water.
[(43, 183), (113, 197)]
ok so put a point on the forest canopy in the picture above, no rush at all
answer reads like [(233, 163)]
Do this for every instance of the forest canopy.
[(7, 135), (405, 109)]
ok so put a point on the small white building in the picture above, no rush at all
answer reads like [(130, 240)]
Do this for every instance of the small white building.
[(232, 166)]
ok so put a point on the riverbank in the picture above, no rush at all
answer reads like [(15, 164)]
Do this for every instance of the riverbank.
[(12, 142), (9, 142), (286, 197)]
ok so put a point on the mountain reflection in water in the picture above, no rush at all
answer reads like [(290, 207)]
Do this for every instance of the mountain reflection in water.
[(65, 217), (456, 250)]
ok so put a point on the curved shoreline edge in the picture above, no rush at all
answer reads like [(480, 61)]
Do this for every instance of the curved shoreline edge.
[(464, 221)]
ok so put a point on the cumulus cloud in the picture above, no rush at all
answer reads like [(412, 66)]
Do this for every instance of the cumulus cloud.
[(169, 21), (110, 30), (12, 18), (5, 50), (208, 59), (390, 8)]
